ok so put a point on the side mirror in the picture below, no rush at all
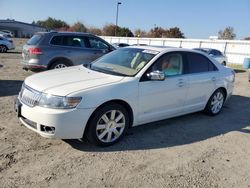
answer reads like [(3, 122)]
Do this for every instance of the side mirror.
[(156, 76)]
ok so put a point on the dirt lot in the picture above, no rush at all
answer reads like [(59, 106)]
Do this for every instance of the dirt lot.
[(190, 151)]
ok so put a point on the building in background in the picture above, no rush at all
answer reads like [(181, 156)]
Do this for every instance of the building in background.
[(20, 29)]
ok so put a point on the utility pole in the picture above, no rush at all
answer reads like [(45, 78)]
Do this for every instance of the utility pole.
[(116, 21)]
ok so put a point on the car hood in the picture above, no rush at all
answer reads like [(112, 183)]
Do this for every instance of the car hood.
[(69, 80)]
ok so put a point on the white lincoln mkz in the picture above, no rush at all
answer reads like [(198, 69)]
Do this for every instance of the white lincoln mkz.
[(127, 87)]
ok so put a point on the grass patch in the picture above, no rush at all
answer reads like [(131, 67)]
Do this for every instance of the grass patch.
[(235, 66)]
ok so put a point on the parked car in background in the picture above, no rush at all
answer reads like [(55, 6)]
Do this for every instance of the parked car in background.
[(4, 35), (216, 54), (53, 50), (120, 45), (246, 65), (127, 87), (7, 33), (6, 44)]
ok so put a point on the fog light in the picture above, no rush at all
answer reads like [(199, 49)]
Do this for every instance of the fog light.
[(47, 129)]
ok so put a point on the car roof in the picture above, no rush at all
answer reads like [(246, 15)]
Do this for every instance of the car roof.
[(207, 49), (66, 33), (163, 49)]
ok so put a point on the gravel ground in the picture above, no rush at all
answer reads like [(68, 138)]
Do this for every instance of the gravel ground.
[(190, 151)]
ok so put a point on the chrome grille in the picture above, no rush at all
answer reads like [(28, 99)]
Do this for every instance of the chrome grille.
[(29, 96)]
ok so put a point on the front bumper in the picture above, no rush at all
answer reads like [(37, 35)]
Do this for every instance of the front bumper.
[(67, 124)]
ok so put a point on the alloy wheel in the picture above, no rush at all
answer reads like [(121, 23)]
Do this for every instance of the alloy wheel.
[(59, 66), (110, 126), (217, 102)]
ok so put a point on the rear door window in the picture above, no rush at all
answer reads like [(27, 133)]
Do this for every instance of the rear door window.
[(74, 41), (198, 63), (34, 39), (56, 40)]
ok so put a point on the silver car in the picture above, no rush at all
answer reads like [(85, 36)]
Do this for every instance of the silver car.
[(52, 50), (6, 44), (216, 54)]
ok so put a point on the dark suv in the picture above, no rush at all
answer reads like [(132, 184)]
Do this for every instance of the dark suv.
[(52, 50)]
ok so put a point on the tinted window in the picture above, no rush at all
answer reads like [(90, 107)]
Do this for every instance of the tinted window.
[(198, 63), (215, 52), (98, 44), (170, 64), (74, 41), (34, 39), (57, 40), (218, 52)]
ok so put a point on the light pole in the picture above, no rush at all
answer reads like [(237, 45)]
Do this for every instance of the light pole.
[(117, 11)]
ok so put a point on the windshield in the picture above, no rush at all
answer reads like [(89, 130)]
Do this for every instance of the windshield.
[(124, 61)]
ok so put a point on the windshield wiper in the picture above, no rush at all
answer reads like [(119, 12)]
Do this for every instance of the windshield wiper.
[(107, 70)]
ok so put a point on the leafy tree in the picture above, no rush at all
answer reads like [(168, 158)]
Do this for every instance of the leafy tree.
[(95, 31), (124, 32), (227, 34), (52, 23), (140, 33), (174, 32), (157, 32), (79, 27), (109, 30)]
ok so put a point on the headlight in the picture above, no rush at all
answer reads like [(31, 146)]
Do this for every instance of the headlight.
[(52, 101)]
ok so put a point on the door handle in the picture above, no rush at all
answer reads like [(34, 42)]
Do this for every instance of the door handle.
[(181, 83)]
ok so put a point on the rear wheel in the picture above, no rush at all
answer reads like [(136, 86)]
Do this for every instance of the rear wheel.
[(107, 125), (3, 49), (215, 103), (59, 65)]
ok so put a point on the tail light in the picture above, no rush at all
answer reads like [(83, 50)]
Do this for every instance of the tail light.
[(35, 51)]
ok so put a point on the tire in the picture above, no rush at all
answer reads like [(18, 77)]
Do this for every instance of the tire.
[(103, 128), (215, 103), (59, 65), (3, 49)]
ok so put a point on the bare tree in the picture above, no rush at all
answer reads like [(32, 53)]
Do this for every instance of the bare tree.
[(95, 31), (79, 27), (227, 33), (140, 33)]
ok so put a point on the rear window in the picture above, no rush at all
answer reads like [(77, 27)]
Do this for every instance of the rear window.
[(34, 39)]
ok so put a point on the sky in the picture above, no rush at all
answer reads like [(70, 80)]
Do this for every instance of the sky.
[(195, 18)]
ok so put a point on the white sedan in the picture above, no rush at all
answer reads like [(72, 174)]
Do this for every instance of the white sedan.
[(127, 87)]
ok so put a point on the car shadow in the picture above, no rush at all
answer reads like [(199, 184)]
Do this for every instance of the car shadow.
[(239, 71), (14, 52), (182, 130), (10, 87)]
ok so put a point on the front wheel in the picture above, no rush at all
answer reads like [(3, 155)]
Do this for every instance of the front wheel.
[(108, 125), (215, 103)]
